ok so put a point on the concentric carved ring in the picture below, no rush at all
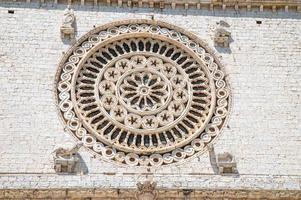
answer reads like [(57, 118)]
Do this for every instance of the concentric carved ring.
[(142, 92)]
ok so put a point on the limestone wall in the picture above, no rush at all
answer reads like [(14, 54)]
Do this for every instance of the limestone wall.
[(263, 131)]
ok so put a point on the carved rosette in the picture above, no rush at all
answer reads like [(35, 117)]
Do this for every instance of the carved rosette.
[(142, 92)]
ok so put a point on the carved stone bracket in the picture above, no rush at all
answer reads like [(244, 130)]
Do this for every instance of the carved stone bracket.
[(222, 38), (146, 191), (226, 164), (65, 159), (67, 27)]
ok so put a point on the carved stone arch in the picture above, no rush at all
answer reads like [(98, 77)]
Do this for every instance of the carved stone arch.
[(142, 93)]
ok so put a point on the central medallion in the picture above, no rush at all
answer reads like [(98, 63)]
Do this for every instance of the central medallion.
[(142, 94), (144, 90)]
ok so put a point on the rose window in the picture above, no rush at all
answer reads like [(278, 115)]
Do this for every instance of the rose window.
[(142, 93)]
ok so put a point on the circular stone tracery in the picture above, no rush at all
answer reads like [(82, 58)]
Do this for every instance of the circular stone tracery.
[(150, 98), (143, 90)]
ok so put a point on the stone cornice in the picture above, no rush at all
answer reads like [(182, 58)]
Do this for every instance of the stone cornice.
[(260, 5), (110, 194)]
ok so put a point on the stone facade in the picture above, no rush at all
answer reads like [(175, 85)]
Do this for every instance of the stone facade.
[(262, 65)]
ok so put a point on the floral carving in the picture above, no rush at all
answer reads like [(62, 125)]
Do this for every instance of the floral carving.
[(144, 91)]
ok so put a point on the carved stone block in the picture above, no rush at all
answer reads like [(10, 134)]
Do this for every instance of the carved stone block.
[(67, 28), (222, 37), (66, 159), (226, 164), (146, 191)]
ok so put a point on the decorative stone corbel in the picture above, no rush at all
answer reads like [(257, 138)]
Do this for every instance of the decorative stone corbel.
[(146, 191), (226, 164), (65, 159), (222, 37), (67, 27)]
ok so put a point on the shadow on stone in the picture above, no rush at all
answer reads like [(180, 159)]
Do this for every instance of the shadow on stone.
[(212, 158), (81, 167), (226, 50)]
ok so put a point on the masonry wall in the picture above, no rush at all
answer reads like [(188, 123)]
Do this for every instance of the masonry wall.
[(263, 132)]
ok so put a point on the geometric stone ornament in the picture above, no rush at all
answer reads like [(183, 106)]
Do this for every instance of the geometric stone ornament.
[(226, 164), (142, 93), (146, 191), (66, 159), (67, 29)]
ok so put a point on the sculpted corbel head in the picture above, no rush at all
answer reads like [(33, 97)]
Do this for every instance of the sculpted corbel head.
[(146, 191)]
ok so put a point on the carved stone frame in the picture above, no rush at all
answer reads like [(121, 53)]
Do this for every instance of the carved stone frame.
[(208, 58)]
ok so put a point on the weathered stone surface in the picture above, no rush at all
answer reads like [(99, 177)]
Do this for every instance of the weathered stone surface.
[(110, 194)]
